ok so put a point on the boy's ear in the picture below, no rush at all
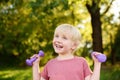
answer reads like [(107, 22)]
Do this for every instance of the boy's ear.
[(75, 45)]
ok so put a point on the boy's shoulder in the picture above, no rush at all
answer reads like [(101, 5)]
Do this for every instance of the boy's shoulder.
[(80, 58), (76, 58), (51, 61)]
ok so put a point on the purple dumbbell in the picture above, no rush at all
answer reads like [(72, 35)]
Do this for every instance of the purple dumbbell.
[(100, 57), (29, 62)]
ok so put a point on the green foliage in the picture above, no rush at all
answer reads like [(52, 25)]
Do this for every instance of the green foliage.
[(116, 45), (26, 26)]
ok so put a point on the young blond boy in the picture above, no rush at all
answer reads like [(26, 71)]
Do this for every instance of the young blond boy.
[(66, 66)]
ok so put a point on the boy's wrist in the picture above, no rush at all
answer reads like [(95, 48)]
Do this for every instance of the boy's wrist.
[(97, 63), (36, 64)]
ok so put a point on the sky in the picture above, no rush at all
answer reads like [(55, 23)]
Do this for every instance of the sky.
[(115, 8)]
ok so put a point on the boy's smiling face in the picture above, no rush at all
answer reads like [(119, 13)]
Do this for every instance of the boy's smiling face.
[(62, 42)]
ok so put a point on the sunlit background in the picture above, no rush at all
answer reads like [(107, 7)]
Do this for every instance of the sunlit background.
[(27, 26)]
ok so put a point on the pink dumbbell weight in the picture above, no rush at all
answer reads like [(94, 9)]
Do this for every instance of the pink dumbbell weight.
[(100, 57), (30, 61)]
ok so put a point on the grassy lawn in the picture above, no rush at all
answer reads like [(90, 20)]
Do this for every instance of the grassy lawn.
[(110, 73), (26, 73), (16, 74)]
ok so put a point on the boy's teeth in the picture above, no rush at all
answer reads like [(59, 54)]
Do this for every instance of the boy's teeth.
[(58, 46)]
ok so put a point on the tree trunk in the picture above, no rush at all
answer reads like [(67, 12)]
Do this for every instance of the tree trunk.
[(94, 11)]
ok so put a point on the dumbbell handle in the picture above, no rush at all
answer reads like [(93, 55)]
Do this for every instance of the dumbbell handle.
[(29, 62), (100, 57)]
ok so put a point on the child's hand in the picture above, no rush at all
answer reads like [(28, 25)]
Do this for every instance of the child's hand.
[(94, 54), (99, 56), (37, 60)]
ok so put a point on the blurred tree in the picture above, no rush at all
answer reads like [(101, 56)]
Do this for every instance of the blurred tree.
[(94, 7)]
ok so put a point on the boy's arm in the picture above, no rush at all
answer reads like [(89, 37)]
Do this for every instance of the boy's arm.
[(96, 71), (36, 72), (36, 69)]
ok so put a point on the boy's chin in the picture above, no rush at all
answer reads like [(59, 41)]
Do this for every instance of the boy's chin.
[(58, 52)]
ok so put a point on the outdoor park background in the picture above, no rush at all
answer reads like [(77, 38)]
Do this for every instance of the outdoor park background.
[(27, 26)]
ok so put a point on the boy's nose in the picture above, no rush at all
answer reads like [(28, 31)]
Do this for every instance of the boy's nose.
[(59, 40)]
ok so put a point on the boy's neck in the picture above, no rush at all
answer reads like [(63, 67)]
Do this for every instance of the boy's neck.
[(65, 56)]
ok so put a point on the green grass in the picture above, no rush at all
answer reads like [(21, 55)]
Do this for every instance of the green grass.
[(112, 73), (15, 74)]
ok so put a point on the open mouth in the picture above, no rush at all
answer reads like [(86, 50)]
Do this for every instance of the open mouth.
[(58, 46)]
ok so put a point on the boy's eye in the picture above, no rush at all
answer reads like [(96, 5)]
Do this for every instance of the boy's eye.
[(64, 37), (56, 36)]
